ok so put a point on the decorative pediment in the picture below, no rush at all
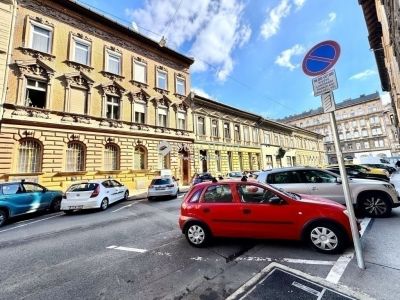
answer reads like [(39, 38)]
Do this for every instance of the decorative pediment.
[(113, 88), (34, 67), (139, 95), (78, 79), (162, 101), (181, 106)]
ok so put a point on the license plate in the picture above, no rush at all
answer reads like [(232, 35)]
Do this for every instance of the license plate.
[(76, 207), (160, 188)]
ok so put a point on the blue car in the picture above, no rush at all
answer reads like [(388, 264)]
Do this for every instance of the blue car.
[(18, 198)]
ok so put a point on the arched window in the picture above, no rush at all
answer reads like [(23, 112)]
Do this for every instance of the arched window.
[(30, 156), (75, 158), (140, 158), (164, 162), (111, 157)]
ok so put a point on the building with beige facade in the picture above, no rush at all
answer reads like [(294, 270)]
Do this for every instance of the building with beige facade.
[(382, 20), (366, 127), (89, 98), (230, 139)]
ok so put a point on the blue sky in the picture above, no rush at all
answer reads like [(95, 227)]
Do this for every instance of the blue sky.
[(248, 52)]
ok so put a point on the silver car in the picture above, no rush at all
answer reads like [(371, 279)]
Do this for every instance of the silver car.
[(371, 197)]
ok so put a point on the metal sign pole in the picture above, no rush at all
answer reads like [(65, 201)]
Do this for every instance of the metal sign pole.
[(347, 194)]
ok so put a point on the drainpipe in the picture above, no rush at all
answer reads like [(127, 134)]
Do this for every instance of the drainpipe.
[(8, 60)]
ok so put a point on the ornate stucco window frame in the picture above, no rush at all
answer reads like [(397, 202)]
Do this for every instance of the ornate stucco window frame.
[(161, 90), (37, 70), (111, 89), (140, 97), (111, 50), (140, 61), (83, 39), (180, 76)]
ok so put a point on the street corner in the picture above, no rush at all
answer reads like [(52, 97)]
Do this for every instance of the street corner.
[(281, 282)]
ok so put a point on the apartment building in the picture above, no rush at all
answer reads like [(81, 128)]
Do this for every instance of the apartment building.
[(90, 98), (229, 139), (366, 127)]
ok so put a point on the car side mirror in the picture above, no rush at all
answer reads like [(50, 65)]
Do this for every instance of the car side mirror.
[(338, 180), (275, 200)]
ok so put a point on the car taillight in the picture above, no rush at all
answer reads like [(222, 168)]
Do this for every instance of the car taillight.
[(170, 185), (96, 192)]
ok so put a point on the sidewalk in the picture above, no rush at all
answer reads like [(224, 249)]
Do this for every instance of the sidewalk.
[(142, 193), (381, 250)]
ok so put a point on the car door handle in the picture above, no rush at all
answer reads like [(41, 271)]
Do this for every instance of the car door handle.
[(206, 210), (246, 211), (314, 188)]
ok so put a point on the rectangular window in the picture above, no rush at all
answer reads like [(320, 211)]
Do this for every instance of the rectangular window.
[(82, 52), (140, 72), (201, 130), (246, 133), (181, 120), (113, 107), (255, 135), (214, 128), (161, 80), (41, 38), (267, 138), (227, 132), (237, 133), (289, 161), (180, 86), (78, 101), (140, 113), (162, 117), (358, 146), (218, 160), (364, 132), (230, 162), (36, 93), (269, 162), (218, 194), (240, 161), (366, 145), (113, 63)]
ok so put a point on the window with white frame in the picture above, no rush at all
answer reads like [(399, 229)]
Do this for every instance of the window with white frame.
[(111, 157), (366, 145), (181, 120), (364, 132), (236, 133), (81, 51), (358, 146), (162, 116), (113, 64), (75, 158), (164, 162), (214, 128), (140, 112), (36, 93), (140, 72), (267, 138), (255, 135), (246, 133), (162, 80), (218, 160), (29, 156), (227, 131), (180, 86), (41, 37), (113, 107), (201, 126)]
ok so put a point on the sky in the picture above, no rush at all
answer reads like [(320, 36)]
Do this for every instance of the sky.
[(248, 53)]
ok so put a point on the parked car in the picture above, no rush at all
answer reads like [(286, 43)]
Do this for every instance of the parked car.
[(93, 194), (198, 178), (234, 175), (373, 160), (390, 169), (357, 171), (20, 197), (240, 209), (163, 186), (371, 197)]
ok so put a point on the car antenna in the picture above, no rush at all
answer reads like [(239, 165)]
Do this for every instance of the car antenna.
[(244, 178), (214, 180)]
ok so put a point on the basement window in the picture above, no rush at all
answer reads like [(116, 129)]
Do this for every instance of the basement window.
[(36, 93)]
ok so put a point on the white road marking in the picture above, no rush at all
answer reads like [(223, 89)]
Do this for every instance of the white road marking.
[(127, 249), (305, 288), (26, 224), (288, 260), (341, 264)]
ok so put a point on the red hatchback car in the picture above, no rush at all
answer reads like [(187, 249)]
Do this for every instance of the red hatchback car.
[(248, 209)]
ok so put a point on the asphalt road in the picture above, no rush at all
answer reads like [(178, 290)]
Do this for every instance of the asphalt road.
[(134, 250)]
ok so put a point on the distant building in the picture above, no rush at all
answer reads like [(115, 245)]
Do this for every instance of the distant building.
[(230, 139), (382, 20), (366, 127)]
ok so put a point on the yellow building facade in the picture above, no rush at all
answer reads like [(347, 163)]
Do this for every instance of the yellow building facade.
[(88, 98)]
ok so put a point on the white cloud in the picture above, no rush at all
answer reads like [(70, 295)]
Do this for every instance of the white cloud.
[(201, 92), (386, 98), (214, 29), (285, 58), (273, 21), (299, 3), (363, 75), (326, 24)]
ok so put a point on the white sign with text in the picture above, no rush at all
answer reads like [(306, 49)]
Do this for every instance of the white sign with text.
[(325, 83)]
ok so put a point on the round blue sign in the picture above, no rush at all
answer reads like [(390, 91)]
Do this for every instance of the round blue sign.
[(321, 58)]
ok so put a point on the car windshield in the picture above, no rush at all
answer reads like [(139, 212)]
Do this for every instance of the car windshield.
[(83, 187), (235, 174), (161, 181)]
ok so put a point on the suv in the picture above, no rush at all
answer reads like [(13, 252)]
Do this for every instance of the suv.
[(20, 197), (373, 198), (249, 209)]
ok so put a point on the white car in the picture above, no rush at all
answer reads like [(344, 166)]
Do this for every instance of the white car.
[(163, 186), (93, 194)]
